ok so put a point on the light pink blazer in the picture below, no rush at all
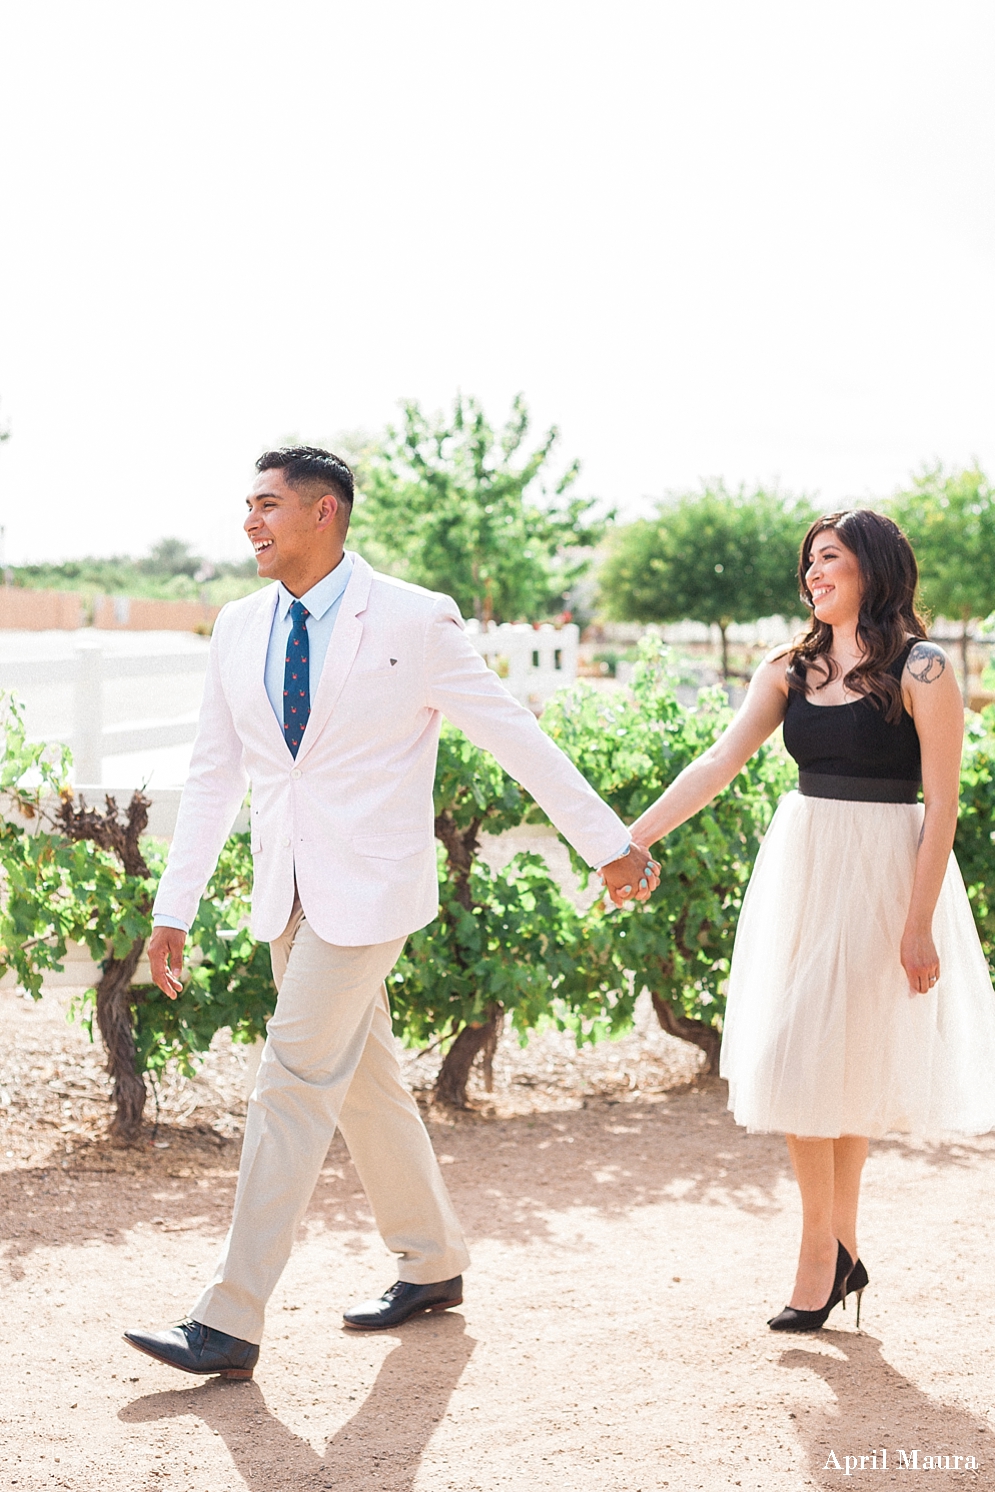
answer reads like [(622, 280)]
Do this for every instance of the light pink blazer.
[(352, 817)]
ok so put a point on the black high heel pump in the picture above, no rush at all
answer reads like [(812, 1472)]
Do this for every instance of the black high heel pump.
[(791, 1319), (856, 1281)]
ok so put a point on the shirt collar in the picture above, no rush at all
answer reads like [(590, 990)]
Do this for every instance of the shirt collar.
[(321, 596)]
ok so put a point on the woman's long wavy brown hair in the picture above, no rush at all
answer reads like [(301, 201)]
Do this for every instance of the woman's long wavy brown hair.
[(889, 576)]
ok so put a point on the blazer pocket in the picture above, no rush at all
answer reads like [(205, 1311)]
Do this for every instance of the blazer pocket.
[(384, 671), (391, 846)]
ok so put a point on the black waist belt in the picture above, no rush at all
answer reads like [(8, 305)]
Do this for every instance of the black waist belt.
[(858, 789)]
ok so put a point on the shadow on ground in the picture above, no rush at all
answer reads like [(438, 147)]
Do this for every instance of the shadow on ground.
[(876, 1407), (382, 1444), (508, 1176)]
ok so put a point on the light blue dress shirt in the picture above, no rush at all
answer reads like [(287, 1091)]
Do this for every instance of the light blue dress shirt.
[(322, 601)]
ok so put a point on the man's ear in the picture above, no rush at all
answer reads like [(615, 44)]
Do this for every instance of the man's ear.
[(328, 506)]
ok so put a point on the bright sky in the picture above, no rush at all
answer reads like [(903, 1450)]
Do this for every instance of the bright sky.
[(713, 238)]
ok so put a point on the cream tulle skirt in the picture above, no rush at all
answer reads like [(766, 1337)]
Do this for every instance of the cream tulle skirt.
[(821, 1036)]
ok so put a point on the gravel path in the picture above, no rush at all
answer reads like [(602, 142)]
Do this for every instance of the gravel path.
[(628, 1244)]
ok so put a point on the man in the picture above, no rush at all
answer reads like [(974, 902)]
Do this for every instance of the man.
[(325, 693)]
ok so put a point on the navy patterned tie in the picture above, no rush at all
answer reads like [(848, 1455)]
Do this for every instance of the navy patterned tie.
[(296, 679)]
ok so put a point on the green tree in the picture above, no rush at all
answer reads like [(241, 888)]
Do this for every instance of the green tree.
[(949, 518), (452, 504), (715, 557), (171, 557)]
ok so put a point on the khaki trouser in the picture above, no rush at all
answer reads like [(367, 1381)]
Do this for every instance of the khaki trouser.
[(329, 1060)]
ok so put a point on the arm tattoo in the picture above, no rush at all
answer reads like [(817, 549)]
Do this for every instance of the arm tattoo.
[(926, 662)]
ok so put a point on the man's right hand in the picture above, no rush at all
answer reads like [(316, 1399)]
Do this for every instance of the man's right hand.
[(634, 876), (166, 959)]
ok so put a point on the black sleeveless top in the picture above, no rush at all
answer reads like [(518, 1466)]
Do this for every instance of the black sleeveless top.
[(856, 743)]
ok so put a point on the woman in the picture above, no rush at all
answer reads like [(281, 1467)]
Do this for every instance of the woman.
[(859, 997)]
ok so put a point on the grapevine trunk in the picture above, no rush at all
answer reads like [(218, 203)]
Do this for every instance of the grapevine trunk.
[(474, 1040), (118, 1035), (676, 1023)]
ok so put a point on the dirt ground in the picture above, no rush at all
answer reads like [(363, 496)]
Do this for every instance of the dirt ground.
[(628, 1244)]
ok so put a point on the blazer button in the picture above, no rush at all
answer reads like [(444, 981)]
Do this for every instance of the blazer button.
[(296, 772), (286, 844)]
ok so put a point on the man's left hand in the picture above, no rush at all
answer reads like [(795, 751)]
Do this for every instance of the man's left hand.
[(632, 877)]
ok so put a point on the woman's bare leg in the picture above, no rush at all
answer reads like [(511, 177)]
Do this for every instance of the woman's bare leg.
[(814, 1169), (828, 1176), (849, 1154)]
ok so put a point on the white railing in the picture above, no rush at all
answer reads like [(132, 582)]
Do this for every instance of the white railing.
[(85, 674), (532, 661)]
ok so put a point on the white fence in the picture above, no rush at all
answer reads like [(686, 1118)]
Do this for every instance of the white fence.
[(532, 661), (767, 632), (85, 673)]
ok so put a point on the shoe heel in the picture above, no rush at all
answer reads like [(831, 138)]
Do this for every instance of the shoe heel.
[(860, 1296), (794, 1319), (240, 1373)]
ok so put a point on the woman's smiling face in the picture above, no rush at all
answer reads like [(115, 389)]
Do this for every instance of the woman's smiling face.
[(833, 580)]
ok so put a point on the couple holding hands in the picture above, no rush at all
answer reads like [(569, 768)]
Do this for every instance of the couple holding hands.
[(859, 997)]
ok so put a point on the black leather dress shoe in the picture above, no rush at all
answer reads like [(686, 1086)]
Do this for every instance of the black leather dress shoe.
[(194, 1348), (402, 1301)]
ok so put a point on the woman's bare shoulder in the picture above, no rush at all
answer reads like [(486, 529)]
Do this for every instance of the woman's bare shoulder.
[(927, 662), (773, 671)]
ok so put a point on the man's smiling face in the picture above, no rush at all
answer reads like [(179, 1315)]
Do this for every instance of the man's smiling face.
[(281, 527)]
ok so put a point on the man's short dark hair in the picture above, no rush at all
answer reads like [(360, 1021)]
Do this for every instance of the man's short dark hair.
[(311, 472)]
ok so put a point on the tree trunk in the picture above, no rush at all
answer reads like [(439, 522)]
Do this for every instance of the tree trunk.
[(476, 1039), (963, 657), (472, 1041), (460, 847), (723, 628), (121, 837), (489, 1048), (688, 1029), (117, 1033)]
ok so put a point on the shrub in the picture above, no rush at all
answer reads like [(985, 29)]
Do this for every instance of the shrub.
[(974, 843), (506, 943), (630, 747)]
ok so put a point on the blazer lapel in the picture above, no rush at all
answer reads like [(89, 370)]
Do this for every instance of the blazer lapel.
[(341, 653)]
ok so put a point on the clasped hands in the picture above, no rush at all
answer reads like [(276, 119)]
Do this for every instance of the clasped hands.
[(632, 877)]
